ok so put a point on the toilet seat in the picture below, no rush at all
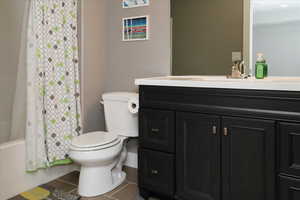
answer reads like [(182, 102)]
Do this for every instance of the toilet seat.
[(95, 141)]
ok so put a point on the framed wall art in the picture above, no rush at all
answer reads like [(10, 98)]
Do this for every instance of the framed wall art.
[(136, 28), (135, 3)]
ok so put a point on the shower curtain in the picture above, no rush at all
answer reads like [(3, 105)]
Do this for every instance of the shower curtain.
[(53, 98)]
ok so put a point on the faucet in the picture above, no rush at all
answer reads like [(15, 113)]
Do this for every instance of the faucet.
[(238, 70)]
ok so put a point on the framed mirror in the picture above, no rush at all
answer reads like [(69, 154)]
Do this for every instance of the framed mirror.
[(207, 34)]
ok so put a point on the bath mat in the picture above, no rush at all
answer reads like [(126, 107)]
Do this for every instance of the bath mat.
[(60, 195), (37, 193), (43, 194)]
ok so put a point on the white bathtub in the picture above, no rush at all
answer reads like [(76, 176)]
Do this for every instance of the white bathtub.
[(14, 179)]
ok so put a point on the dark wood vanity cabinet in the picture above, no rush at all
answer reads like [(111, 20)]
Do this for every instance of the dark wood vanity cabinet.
[(219, 144), (248, 159), (290, 148), (289, 161), (213, 147), (158, 129), (157, 171), (198, 160), (288, 188)]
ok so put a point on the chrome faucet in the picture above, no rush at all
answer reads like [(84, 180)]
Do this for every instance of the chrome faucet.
[(238, 70)]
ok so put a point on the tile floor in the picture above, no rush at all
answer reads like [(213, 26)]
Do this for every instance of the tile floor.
[(68, 183)]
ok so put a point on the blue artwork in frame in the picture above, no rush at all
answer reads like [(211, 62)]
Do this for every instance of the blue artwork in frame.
[(136, 28), (135, 3)]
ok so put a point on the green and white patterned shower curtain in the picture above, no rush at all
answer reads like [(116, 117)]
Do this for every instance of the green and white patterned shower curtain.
[(53, 90)]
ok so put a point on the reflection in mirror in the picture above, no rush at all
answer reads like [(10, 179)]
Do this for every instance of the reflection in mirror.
[(206, 35), (276, 30)]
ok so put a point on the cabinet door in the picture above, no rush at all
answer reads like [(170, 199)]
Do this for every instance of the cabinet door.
[(248, 163), (157, 130), (156, 172), (289, 188), (289, 135), (197, 156)]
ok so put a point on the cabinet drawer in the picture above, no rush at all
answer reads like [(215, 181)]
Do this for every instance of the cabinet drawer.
[(157, 130), (289, 136), (289, 188), (156, 172)]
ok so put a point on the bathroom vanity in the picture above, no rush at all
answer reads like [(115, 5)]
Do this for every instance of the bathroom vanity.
[(210, 138)]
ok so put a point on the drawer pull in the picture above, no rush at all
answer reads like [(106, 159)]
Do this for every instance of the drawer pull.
[(214, 130), (155, 172), (155, 130), (225, 131)]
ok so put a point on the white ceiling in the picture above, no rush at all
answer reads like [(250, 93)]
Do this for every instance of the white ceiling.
[(275, 11)]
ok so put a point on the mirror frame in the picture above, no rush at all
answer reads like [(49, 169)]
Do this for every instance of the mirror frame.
[(248, 35)]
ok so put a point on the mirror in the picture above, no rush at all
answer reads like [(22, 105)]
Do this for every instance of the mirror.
[(275, 33), (206, 34)]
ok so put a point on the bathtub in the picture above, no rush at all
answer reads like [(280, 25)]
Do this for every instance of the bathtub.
[(14, 179)]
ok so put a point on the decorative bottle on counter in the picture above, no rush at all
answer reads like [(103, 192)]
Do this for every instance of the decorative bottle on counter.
[(261, 67)]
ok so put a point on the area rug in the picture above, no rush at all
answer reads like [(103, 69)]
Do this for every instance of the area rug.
[(40, 193)]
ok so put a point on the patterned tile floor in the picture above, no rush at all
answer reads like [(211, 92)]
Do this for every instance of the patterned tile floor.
[(68, 183)]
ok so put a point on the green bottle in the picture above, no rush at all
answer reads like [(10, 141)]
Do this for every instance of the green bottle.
[(266, 70), (261, 67)]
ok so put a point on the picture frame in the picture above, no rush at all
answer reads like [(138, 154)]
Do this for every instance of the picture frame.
[(136, 28), (135, 3)]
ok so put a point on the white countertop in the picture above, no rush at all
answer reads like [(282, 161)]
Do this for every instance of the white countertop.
[(270, 83)]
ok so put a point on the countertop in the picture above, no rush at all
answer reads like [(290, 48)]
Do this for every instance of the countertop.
[(270, 83)]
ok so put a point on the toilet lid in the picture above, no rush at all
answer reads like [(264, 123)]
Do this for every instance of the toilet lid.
[(94, 139)]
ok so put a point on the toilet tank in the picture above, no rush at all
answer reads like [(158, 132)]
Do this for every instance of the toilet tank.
[(118, 118)]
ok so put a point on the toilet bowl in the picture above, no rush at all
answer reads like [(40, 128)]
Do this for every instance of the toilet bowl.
[(102, 154)]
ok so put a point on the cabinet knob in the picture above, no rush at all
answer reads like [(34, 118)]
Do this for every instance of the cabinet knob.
[(153, 171), (214, 130), (154, 130), (225, 131)]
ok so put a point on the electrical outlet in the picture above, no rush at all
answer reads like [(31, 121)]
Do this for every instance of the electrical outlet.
[(236, 56)]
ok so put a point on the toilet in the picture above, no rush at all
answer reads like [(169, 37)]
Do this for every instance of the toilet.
[(102, 154)]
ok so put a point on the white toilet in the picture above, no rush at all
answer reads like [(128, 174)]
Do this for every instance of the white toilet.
[(102, 154)]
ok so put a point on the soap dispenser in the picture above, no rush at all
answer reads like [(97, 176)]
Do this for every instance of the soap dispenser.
[(261, 67)]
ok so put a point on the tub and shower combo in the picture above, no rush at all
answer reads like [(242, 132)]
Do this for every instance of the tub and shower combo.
[(14, 178)]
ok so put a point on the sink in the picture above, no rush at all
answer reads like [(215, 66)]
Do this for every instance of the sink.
[(181, 78), (197, 78), (224, 78)]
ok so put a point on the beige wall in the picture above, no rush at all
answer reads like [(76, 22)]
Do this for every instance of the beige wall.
[(130, 60), (94, 63), (137, 59), (112, 65), (11, 20)]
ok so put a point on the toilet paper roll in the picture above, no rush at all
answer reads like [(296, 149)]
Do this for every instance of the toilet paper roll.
[(133, 105)]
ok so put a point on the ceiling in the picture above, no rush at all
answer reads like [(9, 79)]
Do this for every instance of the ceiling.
[(275, 11)]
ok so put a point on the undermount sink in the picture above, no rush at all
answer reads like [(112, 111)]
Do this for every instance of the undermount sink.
[(192, 78), (182, 78), (224, 78)]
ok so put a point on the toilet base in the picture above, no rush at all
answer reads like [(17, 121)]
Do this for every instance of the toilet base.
[(95, 181)]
